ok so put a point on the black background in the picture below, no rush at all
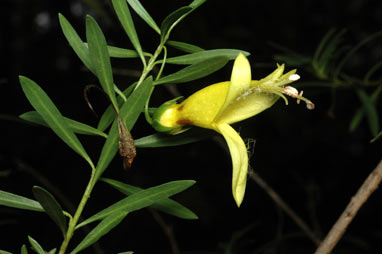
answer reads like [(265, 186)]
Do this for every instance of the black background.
[(309, 157)]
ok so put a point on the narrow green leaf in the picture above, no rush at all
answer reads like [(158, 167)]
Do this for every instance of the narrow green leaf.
[(48, 111), (356, 120), (376, 137), (126, 252), (185, 47), (109, 115), (165, 140), (100, 230), (5, 252), (76, 43), (24, 249), (77, 127), (141, 11), (118, 52), (371, 112), (172, 20), (100, 58), (129, 113), (330, 49), (352, 52), (52, 251), (165, 205), (372, 71), (194, 71), (36, 246), (321, 45), (198, 57), (51, 207), (141, 199), (121, 52), (16, 201), (360, 113), (122, 10), (196, 3)]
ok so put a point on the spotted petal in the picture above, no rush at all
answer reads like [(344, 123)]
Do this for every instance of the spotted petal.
[(239, 160)]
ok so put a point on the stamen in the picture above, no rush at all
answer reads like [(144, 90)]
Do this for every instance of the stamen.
[(290, 91), (300, 94), (309, 105)]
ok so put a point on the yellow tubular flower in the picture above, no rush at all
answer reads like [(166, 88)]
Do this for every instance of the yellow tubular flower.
[(219, 105)]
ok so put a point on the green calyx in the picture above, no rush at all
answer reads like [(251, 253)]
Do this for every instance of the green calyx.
[(162, 120)]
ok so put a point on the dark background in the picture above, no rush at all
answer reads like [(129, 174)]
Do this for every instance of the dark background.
[(309, 157)]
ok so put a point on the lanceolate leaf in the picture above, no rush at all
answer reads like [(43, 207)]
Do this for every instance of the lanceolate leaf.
[(100, 58), (194, 71), (196, 3), (5, 252), (48, 111), (360, 113), (352, 51), (185, 47), (165, 205), (77, 127), (122, 10), (51, 207), (141, 199), (164, 140), (109, 115), (172, 20), (205, 55), (141, 11), (175, 17), (76, 43), (129, 113), (100, 230), (16, 201), (371, 112), (24, 249), (118, 52), (36, 246)]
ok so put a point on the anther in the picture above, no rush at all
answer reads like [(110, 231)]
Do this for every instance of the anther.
[(290, 91), (294, 77)]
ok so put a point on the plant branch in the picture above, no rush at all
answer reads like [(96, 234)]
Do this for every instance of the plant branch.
[(284, 206), (367, 188), (81, 206)]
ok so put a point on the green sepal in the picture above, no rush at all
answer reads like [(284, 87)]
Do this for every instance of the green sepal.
[(158, 114)]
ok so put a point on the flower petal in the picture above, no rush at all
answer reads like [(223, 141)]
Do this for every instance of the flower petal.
[(259, 96), (240, 81), (249, 105), (201, 108), (239, 157)]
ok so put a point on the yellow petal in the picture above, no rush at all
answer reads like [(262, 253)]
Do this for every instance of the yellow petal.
[(240, 81), (200, 108), (252, 104), (259, 96), (239, 160)]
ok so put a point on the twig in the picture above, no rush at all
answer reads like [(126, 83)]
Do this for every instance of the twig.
[(368, 187), (24, 167), (284, 206)]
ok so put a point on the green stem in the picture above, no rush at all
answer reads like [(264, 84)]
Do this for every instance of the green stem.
[(150, 65), (80, 208), (73, 222)]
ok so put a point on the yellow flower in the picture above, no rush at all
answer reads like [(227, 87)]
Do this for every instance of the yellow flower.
[(219, 105)]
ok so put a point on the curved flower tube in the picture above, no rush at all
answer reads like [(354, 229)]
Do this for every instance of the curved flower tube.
[(219, 105)]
